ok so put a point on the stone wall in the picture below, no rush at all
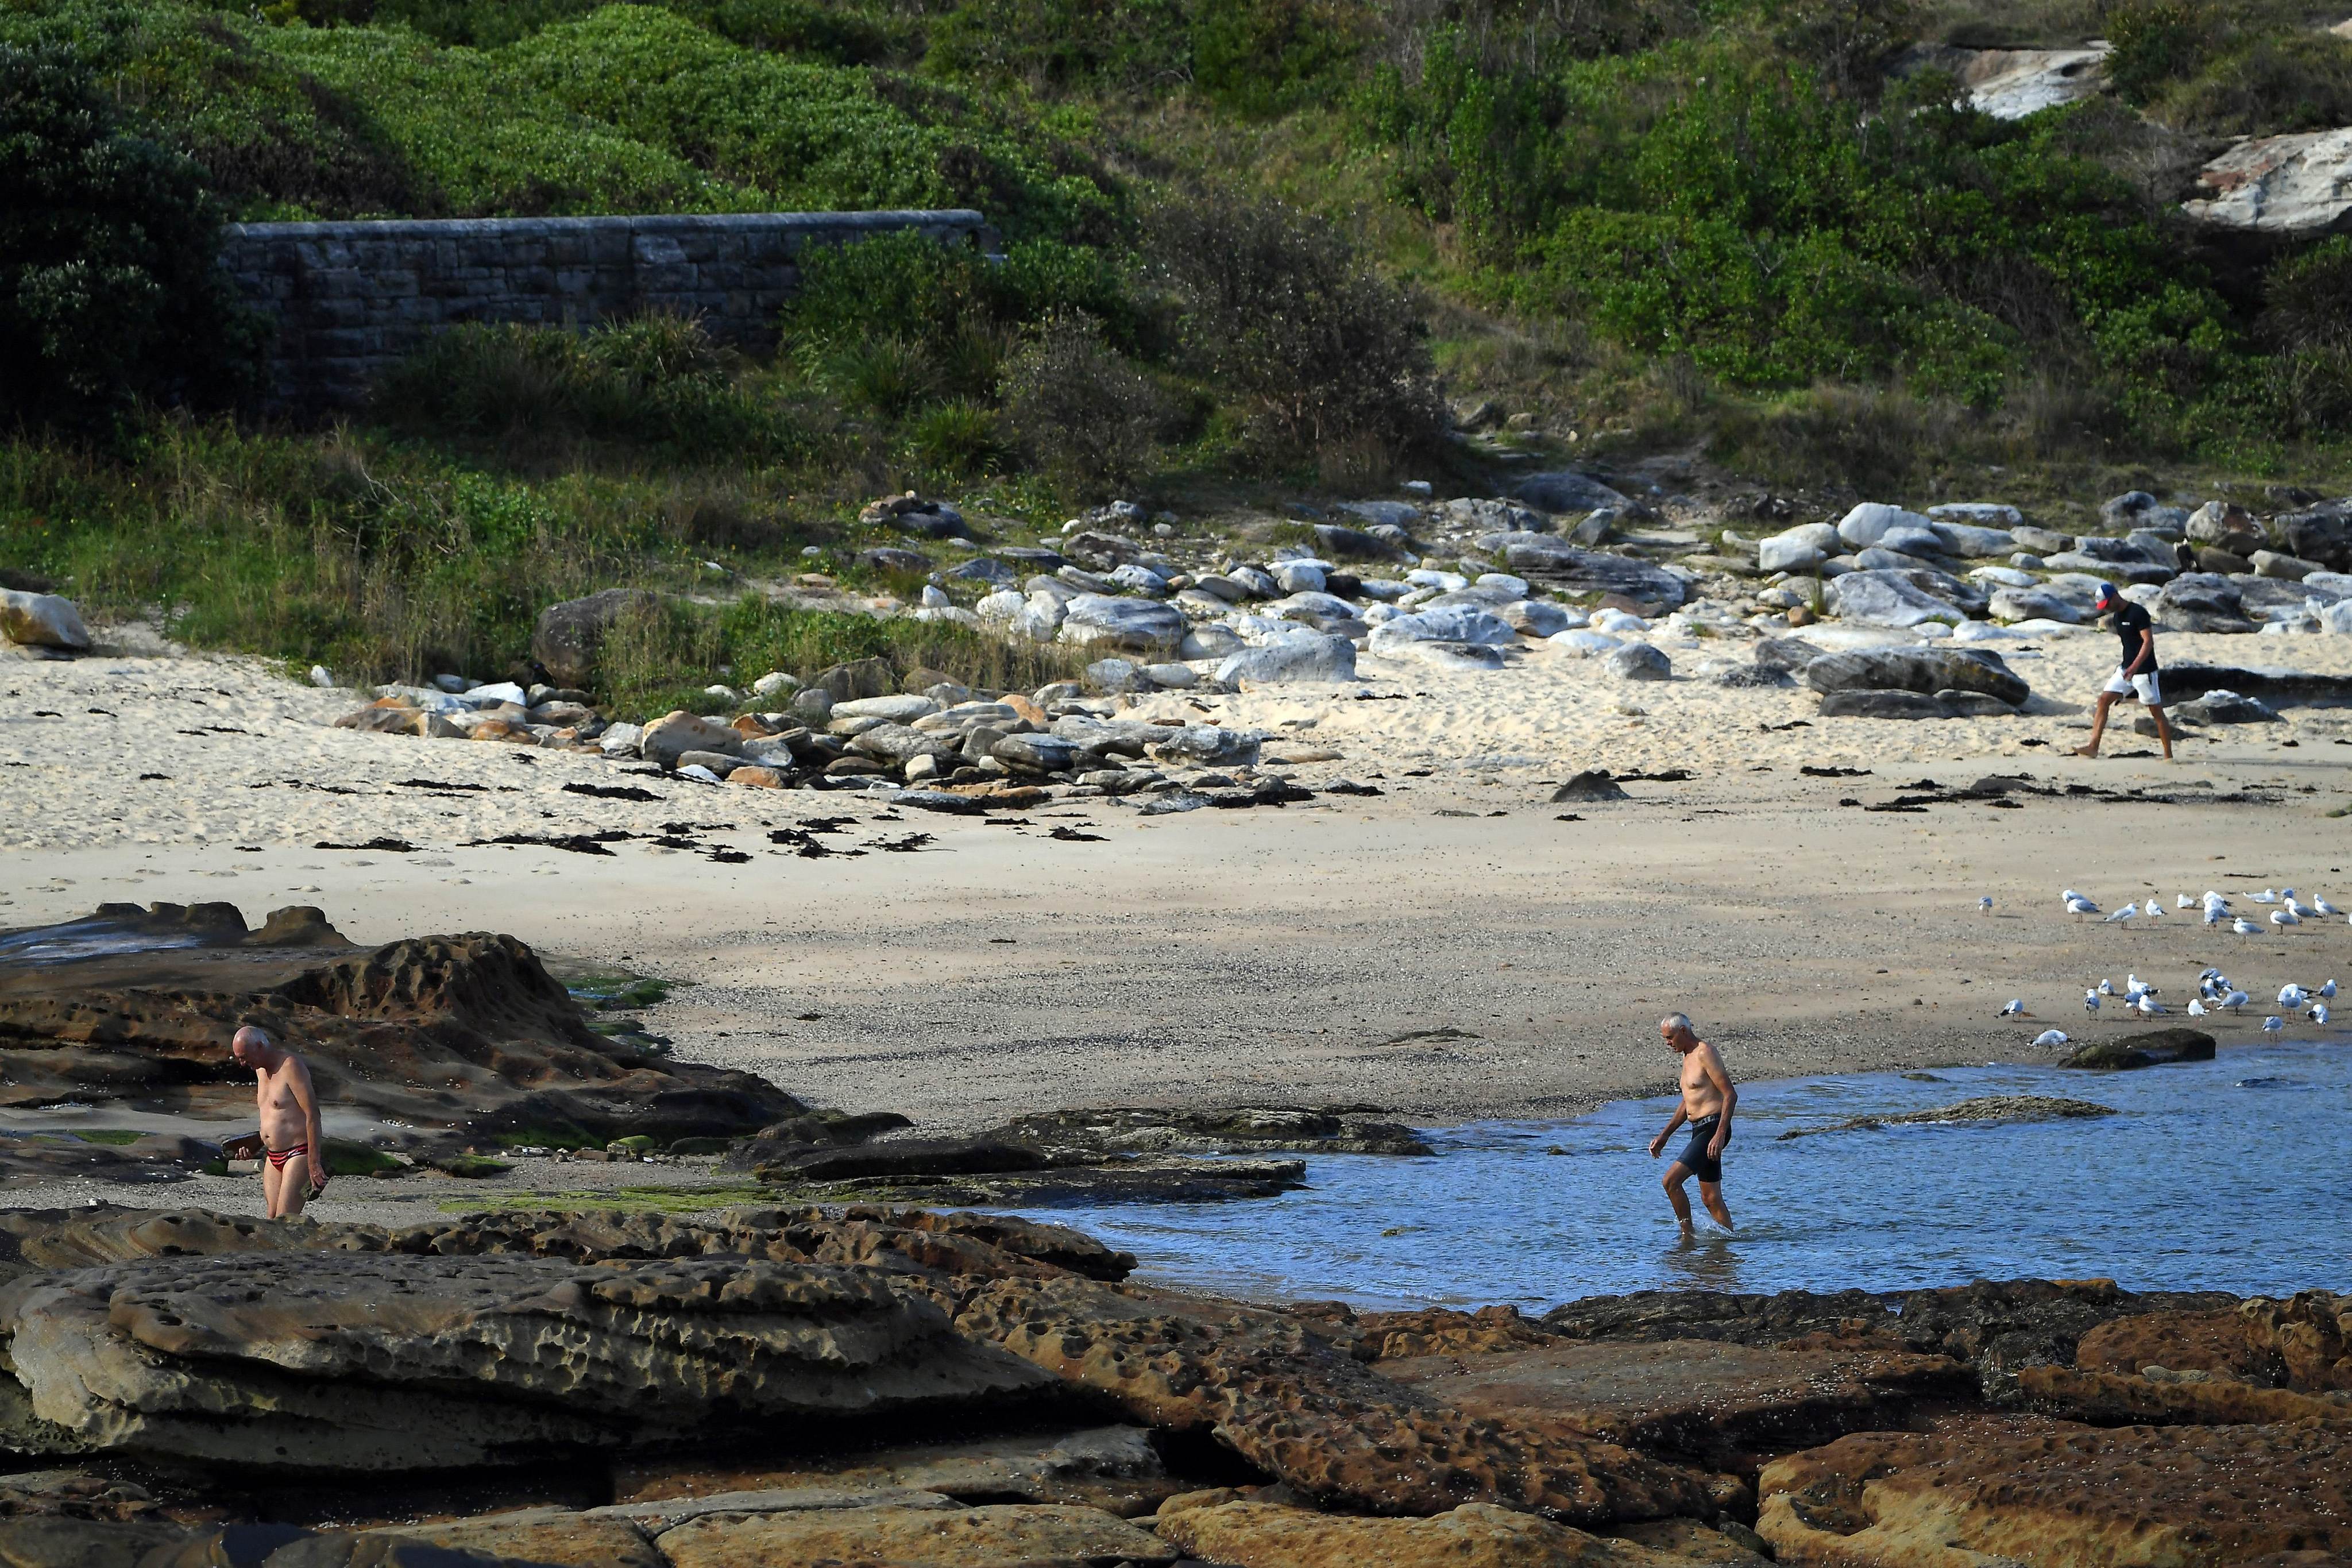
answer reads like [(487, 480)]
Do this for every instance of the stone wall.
[(350, 298)]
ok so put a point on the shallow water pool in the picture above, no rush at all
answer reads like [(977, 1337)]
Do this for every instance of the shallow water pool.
[(2229, 1175)]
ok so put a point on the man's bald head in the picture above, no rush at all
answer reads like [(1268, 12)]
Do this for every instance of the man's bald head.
[(253, 1048)]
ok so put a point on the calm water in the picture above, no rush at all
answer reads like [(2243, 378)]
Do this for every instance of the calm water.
[(2229, 1175)]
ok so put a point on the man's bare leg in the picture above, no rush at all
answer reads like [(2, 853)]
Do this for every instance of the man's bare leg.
[(1711, 1194), (270, 1179), (2163, 729), (2099, 726), (294, 1187), (1676, 1175)]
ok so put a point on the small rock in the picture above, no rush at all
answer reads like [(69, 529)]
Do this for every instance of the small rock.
[(670, 737), (775, 684), (1590, 785), (1293, 658), (751, 776), (1640, 661)]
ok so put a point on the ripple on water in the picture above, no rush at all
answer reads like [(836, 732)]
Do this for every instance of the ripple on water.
[(2187, 1188)]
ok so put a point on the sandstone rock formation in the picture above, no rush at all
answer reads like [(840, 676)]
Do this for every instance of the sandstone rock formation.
[(1717, 1404), (453, 1032), (2298, 184), (1294, 1406), (342, 1360), (1475, 1535), (2003, 1492), (1005, 1536)]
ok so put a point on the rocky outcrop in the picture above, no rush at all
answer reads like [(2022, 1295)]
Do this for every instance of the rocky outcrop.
[(2154, 1048), (1993, 1326), (2010, 84), (2163, 1396), (1249, 1130), (458, 1032), (1290, 1402), (344, 1360), (1005, 1536), (916, 1243), (1994, 1492), (1991, 1108), (1114, 1469), (2298, 185), (2266, 683), (1718, 1405), (1475, 1535)]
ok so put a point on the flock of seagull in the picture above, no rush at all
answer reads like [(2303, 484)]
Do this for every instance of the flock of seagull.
[(2215, 992)]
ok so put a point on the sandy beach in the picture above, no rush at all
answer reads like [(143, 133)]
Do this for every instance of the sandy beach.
[(1449, 949)]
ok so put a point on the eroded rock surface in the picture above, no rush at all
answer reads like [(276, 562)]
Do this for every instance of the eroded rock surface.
[(1475, 1535), (1004, 1536), (350, 1360), (1718, 1403), (2189, 1496), (1114, 1468), (1993, 1326), (1291, 1129), (1291, 1403)]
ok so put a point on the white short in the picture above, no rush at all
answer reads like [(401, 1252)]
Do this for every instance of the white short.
[(2122, 685)]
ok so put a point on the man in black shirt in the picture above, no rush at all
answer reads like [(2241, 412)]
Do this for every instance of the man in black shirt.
[(2135, 675)]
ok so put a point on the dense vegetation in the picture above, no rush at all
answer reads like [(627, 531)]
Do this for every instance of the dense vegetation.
[(1250, 243)]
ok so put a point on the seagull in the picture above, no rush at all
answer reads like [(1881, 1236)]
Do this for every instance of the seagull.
[(2078, 906), (2091, 1003), (2292, 996), (2051, 1037), (2233, 1001), (2316, 1013), (2267, 896), (1984, 905), (2273, 1025), (2300, 910), (2329, 991), (2126, 912), (2214, 913), (2244, 927), (2154, 910), (2285, 918), (2213, 898), (2106, 987), (2133, 986), (2322, 907), (2183, 901), (2149, 1006), (2016, 1009), (2196, 1008)]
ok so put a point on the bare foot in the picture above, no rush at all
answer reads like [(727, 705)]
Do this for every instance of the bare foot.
[(2084, 751)]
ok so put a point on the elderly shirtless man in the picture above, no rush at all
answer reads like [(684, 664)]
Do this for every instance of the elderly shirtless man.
[(294, 1167), (1706, 1102)]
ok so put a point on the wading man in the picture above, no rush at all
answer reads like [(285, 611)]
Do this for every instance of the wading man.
[(2135, 674), (294, 1146), (1706, 1102)]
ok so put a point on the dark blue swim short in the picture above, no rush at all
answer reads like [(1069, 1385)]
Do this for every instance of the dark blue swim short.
[(1695, 1157)]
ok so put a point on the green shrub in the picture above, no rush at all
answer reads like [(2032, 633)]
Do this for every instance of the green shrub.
[(1081, 410), (651, 380), (1063, 45), (960, 439), (2306, 320), (2268, 85), (2157, 41), (108, 294), (1315, 349)]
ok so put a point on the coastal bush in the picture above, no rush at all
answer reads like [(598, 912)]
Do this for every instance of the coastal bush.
[(1315, 351), (108, 294), (1083, 412)]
